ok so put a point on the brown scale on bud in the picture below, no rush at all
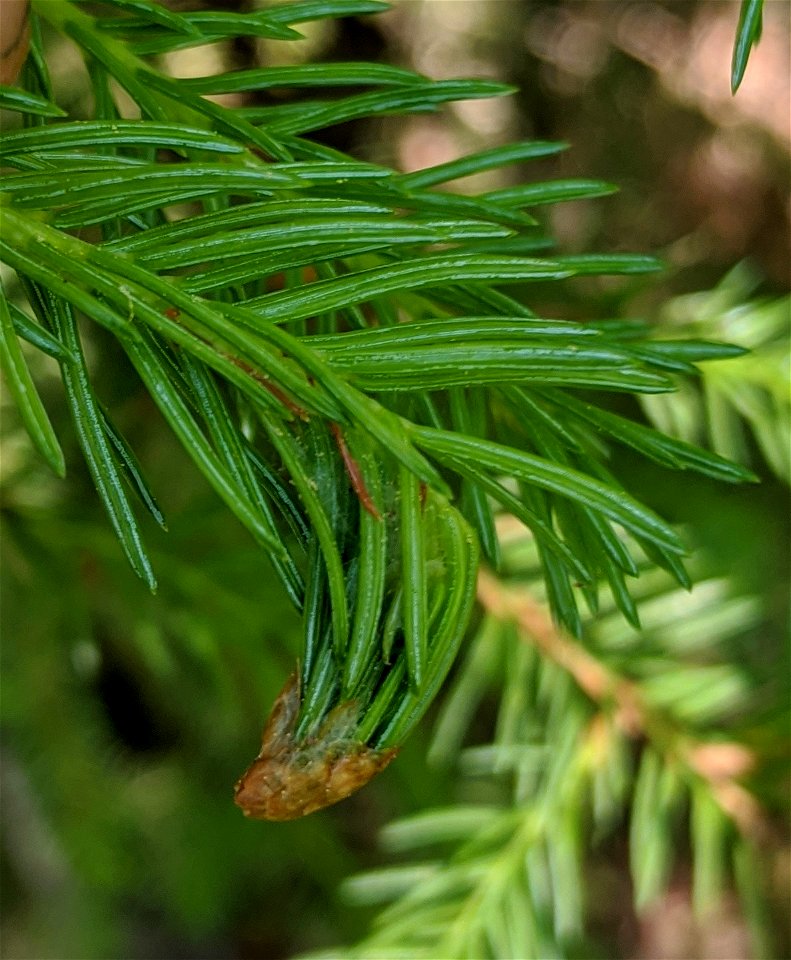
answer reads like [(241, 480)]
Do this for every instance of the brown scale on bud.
[(290, 779)]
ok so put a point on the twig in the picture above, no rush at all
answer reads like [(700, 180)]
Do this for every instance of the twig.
[(719, 764)]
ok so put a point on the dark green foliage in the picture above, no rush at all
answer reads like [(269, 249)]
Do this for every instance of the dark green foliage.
[(189, 302)]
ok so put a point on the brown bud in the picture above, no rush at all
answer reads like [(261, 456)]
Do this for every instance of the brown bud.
[(290, 779)]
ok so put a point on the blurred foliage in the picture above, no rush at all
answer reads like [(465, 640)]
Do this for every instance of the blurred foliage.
[(126, 718), (631, 729), (748, 397)]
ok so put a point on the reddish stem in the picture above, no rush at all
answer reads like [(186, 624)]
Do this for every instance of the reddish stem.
[(267, 384), (355, 473)]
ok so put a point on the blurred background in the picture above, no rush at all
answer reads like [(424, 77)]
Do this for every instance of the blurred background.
[(127, 718)]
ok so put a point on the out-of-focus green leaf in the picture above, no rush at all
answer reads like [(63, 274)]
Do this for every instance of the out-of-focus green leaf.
[(20, 383), (672, 453)]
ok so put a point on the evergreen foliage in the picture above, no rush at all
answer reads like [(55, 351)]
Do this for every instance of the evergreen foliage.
[(273, 393), (349, 358), (749, 397), (510, 872)]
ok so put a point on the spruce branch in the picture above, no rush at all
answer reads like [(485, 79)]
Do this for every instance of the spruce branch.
[(747, 398), (581, 745), (354, 314), (720, 764)]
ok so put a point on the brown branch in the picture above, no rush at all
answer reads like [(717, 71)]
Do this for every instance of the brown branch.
[(719, 764)]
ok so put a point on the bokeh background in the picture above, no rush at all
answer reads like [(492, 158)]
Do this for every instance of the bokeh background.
[(127, 718)]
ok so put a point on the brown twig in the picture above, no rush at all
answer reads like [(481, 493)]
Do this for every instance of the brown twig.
[(270, 387), (719, 764), (355, 473)]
